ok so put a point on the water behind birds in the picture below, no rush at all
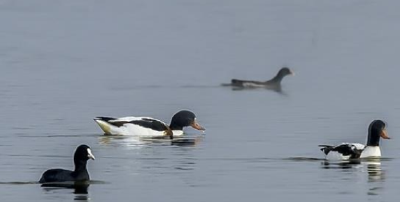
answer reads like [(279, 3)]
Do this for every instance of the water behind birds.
[(65, 62)]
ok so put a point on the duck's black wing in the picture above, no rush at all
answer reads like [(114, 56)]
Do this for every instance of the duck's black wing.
[(145, 122), (153, 124), (351, 150)]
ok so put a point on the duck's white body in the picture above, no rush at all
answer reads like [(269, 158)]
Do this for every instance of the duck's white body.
[(132, 126), (366, 151), (147, 127), (346, 151)]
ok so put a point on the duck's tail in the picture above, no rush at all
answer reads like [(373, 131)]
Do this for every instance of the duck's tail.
[(104, 125), (104, 118), (326, 148)]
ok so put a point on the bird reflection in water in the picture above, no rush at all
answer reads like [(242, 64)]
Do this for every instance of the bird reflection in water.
[(188, 141), (375, 176), (80, 188), (372, 166), (375, 173), (341, 164)]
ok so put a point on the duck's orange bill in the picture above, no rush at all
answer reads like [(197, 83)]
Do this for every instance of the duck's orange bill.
[(384, 134), (196, 125)]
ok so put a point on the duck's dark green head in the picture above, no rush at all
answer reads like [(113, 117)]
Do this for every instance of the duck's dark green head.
[(183, 119), (376, 130)]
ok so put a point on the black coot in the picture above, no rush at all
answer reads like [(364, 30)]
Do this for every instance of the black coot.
[(81, 156)]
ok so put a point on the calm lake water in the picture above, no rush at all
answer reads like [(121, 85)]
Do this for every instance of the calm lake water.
[(65, 62)]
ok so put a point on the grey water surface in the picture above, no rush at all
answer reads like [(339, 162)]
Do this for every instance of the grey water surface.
[(65, 62)]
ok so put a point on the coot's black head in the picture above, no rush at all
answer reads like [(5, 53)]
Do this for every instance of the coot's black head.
[(184, 118), (376, 130), (83, 153), (285, 71)]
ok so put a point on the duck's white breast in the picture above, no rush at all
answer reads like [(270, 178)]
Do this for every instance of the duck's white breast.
[(177, 133), (371, 151)]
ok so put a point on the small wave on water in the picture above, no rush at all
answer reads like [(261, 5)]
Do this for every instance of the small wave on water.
[(56, 135), (298, 158), (19, 183), (200, 86), (51, 183), (78, 187), (135, 87)]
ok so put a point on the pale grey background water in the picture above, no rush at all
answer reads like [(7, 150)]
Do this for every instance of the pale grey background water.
[(64, 62)]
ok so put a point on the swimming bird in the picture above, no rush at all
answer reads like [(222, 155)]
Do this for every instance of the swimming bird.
[(346, 151), (273, 84), (81, 156), (147, 127)]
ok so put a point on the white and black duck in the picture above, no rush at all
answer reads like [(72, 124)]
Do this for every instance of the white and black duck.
[(272, 84), (348, 151), (148, 127), (82, 154)]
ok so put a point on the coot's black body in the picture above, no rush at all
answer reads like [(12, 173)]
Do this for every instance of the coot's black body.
[(81, 156)]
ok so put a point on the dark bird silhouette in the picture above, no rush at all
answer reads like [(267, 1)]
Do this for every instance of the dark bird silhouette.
[(272, 84), (81, 156)]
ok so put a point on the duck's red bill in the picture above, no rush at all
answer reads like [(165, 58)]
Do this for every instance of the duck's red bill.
[(384, 134), (196, 125)]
